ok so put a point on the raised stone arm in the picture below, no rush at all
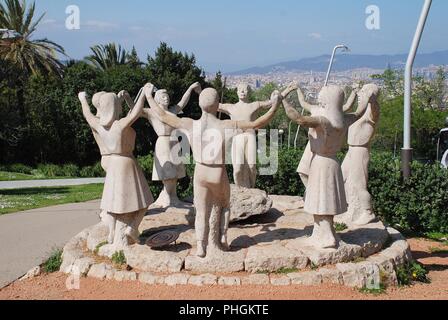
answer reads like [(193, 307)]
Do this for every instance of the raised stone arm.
[(309, 122), (351, 101), (265, 104), (268, 103), (88, 115), (224, 108), (367, 94), (305, 105), (290, 88), (124, 95), (166, 117), (135, 112), (260, 122), (187, 95)]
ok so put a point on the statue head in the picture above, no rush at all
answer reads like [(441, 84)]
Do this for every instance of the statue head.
[(331, 99), (243, 91), (368, 92), (109, 109), (96, 101), (209, 100), (162, 98)]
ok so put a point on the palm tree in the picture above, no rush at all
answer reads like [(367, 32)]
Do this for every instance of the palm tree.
[(16, 44), (107, 56)]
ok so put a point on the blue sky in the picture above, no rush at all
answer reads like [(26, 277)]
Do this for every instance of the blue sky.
[(230, 35)]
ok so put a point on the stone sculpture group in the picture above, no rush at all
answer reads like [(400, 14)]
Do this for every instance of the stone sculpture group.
[(330, 189)]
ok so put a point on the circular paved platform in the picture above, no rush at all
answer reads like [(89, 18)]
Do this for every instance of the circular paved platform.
[(271, 245)]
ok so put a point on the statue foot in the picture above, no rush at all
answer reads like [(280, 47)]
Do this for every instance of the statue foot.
[(201, 250), (324, 236), (133, 235), (224, 244), (110, 238), (323, 242), (365, 218)]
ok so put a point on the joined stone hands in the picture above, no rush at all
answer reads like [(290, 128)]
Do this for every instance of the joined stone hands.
[(196, 87), (83, 95)]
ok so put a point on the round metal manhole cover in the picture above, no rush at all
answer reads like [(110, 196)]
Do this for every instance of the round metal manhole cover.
[(161, 239)]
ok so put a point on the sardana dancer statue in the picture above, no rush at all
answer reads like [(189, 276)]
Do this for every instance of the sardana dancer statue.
[(305, 162), (167, 166), (325, 195), (355, 168), (126, 194), (244, 144)]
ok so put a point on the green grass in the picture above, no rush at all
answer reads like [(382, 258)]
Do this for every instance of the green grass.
[(98, 246), (13, 176), (435, 250), (119, 258), (374, 291), (53, 263), (437, 236), (31, 198), (286, 270), (339, 227)]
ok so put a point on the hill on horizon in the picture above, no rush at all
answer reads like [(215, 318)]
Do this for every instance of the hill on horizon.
[(344, 62)]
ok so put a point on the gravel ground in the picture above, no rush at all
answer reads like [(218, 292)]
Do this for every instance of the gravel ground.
[(50, 287)]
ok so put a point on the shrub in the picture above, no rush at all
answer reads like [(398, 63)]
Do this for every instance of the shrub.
[(286, 181), (50, 170), (86, 172), (98, 171), (413, 271), (18, 168), (94, 171), (146, 163), (53, 263), (70, 170), (417, 205)]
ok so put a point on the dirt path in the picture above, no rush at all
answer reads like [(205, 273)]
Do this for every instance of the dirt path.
[(53, 286)]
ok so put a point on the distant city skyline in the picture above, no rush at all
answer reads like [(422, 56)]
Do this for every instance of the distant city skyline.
[(232, 35)]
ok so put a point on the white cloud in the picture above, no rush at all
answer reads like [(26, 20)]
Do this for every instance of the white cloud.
[(95, 24), (49, 21), (315, 35), (137, 28)]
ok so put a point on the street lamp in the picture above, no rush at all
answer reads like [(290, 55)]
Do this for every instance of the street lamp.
[(406, 153), (344, 49), (309, 94)]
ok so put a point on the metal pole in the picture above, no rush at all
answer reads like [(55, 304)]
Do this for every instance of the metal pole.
[(298, 128), (289, 134), (406, 153), (341, 46), (297, 132)]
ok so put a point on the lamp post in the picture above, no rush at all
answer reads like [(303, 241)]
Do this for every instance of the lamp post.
[(344, 49), (298, 128), (406, 153)]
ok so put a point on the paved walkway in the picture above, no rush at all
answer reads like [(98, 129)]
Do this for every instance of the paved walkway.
[(48, 183), (28, 238)]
